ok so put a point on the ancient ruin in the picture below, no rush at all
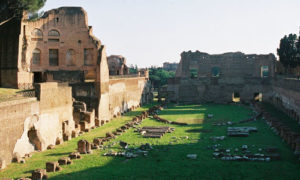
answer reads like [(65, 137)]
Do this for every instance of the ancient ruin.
[(233, 77), (58, 55), (117, 65)]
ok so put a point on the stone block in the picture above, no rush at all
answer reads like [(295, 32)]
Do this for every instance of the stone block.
[(67, 137), (97, 141), (58, 141), (110, 135), (39, 174), (84, 147), (75, 155), (64, 161), (52, 166), (51, 146), (74, 134)]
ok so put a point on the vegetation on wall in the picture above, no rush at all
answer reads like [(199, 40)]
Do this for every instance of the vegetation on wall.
[(289, 51), (159, 77), (10, 9)]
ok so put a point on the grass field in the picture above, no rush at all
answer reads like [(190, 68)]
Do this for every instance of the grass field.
[(168, 158)]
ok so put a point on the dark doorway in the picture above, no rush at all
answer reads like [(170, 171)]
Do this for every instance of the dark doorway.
[(236, 97), (33, 139), (37, 77)]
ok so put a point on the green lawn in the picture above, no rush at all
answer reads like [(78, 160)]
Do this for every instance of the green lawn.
[(168, 158)]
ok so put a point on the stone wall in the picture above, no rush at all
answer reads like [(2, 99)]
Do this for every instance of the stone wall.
[(286, 97), (126, 93), (35, 123), (217, 78), (13, 116)]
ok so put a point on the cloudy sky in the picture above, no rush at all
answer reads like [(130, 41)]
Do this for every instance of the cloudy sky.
[(150, 32)]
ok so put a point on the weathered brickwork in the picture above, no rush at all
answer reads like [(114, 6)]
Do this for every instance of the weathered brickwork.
[(201, 77)]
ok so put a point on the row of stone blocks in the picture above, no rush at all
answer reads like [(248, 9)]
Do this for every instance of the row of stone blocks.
[(289, 136)]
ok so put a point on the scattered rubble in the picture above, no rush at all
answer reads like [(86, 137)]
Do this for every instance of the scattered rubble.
[(154, 131), (215, 138), (240, 131), (131, 152)]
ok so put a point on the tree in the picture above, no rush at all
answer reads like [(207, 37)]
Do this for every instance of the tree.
[(159, 77), (10, 9), (288, 51)]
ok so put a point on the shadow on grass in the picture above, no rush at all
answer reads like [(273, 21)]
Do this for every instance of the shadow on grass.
[(169, 161), (59, 154)]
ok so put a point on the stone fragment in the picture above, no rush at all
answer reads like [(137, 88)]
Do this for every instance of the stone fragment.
[(51, 146), (84, 147), (192, 156), (110, 135), (64, 161), (75, 155), (74, 134), (39, 174), (123, 144), (52, 166), (210, 115), (58, 141)]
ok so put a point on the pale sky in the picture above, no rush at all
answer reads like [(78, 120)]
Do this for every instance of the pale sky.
[(150, 32)]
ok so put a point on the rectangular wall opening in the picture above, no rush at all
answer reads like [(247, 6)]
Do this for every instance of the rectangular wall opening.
[(37, 77), (236, 97), (194, 73), (53, 57)]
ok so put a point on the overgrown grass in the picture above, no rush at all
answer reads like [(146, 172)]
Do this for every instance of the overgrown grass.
[(168, 158), (9, 94)]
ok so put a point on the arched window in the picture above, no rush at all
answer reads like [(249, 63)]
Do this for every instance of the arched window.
[(70, 57), (37, 33), (53, 33), (36, 57)]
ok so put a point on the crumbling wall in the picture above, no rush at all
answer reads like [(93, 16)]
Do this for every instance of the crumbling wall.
[(13, 116)]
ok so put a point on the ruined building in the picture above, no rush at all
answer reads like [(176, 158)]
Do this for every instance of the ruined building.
[(58, 55), (223, 78), (170, 66), (117, 65)]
